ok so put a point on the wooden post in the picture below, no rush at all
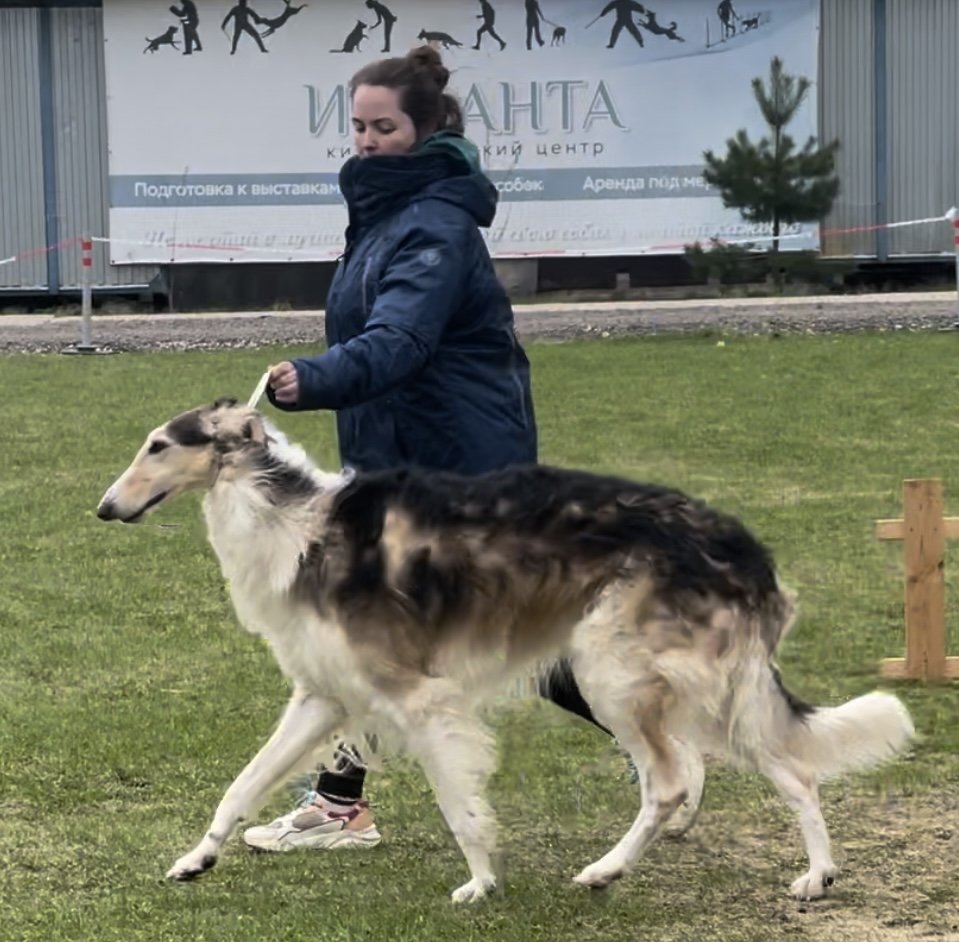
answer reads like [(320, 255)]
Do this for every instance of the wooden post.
[(923, 531)]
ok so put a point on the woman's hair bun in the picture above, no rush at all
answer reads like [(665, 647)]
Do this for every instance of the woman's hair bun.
[(427, 59)]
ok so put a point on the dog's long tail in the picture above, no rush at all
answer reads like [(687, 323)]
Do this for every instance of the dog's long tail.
[(853, 736), (827, 740)]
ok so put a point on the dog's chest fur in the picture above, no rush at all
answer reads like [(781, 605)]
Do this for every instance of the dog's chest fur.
[(259, 557)]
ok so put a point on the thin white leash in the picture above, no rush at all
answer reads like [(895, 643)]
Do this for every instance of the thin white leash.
[(258, 395), (260, 389)]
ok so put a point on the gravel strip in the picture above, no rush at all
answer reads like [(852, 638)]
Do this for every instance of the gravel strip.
[(559, 322)]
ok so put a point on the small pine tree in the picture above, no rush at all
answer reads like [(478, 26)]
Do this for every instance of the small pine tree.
[(771, 181)]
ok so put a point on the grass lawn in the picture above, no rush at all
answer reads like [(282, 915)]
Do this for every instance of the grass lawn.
[(129, 699)]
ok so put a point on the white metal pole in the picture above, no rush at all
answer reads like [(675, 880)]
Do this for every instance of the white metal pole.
[(953, 217), (86, 292)]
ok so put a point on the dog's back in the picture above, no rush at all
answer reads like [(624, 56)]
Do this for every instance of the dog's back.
[(526, 550)]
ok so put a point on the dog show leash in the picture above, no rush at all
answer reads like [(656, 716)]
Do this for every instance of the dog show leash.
[(260, 388)]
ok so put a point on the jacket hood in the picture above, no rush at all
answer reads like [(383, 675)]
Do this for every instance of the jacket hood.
[(444, 166), (454, 144)]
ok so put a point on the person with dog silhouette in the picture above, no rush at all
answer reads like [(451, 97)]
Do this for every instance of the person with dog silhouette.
[(189, 20), (385, 16), (727, 18), (242, 16), (533, 15), (624, 20), (488, 15), (422, 366)]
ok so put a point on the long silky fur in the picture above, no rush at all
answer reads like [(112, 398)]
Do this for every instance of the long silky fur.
[(398, 603)]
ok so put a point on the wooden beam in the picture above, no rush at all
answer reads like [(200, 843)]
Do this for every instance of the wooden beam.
[(895, 668), (923, 531), (896, 529), (924, 545)]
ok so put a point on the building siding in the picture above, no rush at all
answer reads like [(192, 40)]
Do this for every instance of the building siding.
[(923, 153), (895, 166), (22, 224), (847, 112)]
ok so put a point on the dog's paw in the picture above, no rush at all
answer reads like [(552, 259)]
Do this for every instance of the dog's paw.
[(694, 776), (473, 891), (682, 819), (191, 865), (597, 876), (815, 883)]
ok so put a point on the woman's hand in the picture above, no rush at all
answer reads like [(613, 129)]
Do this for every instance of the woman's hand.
[(285, 383)]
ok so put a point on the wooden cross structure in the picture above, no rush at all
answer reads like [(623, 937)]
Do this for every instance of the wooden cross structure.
[(923, 530)]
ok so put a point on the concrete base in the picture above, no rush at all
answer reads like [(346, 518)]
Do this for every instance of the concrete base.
[(520, 276), (85, 349)]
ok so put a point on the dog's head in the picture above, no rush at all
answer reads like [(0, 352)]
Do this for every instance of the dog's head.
[(185, 454)]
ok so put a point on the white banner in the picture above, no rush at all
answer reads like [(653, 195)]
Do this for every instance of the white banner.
[(229, 119)]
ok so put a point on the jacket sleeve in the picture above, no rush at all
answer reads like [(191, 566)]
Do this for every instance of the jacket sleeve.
[(419, 290)]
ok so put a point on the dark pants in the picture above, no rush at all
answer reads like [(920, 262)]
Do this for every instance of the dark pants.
[(344, 783)]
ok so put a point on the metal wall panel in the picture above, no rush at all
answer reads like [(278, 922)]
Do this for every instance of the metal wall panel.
[(923, 77), (847, 112), (81, 145), (22, 225), (921, 126)]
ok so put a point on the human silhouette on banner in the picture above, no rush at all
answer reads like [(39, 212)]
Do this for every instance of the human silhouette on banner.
[(533, 15), (241, 15), (385, 16), (189, 20), (488, 16), (727, 18), (624, 20)]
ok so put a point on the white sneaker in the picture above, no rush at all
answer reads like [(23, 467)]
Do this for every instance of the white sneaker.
[(317, 824)]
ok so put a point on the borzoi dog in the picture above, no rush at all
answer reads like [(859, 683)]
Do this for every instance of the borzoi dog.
[(397, 602)]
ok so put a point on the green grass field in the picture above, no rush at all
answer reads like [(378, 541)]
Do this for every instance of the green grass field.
[(129, 698)]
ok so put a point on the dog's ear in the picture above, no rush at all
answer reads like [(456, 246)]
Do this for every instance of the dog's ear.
[(225, 402), (254, 430)]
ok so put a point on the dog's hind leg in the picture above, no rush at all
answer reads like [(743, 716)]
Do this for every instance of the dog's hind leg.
[(458, 757), (801, 792), (307, 722), (694, 779), (639, 727)]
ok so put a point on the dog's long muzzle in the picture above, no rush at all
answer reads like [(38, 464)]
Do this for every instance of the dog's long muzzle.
[(109, 510)]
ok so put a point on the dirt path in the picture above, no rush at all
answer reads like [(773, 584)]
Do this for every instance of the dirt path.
[(553, 322)]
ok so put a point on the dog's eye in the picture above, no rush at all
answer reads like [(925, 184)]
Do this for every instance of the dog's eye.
[(156, 447)]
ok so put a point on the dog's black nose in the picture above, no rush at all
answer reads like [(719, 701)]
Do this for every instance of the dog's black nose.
[(106, 511)]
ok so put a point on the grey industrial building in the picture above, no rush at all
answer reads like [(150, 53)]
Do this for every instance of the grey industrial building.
[(888, 89)]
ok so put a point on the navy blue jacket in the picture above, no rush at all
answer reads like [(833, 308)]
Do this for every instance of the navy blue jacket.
[(422, 367)]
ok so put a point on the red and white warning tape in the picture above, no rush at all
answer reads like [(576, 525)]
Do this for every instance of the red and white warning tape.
[(41, 250), (86, 243), (201, 246)]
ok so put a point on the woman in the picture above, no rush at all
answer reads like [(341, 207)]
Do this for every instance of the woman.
[(422, 366)]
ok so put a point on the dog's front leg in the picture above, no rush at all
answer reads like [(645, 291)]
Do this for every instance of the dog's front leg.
[(458, 757), (308, 720)]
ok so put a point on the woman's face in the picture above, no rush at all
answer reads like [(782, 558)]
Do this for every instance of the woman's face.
[(380, 128)]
